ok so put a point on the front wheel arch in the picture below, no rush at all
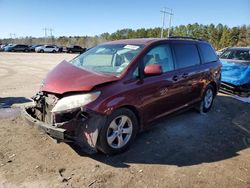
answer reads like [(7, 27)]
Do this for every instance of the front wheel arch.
[(136, 112)]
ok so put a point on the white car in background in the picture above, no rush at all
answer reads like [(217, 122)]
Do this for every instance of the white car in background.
[(47, 48), (219, 52)]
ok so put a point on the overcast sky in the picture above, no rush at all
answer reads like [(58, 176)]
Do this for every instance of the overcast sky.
[(93, 17)]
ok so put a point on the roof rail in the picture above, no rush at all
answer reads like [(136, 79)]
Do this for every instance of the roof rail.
[(185, 37)]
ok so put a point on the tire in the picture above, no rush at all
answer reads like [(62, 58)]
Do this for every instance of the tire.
[(42, 51), (207, 99), (53, 51), (112, 139)]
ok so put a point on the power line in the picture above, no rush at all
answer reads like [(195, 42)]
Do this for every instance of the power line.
[(170, 13), (12, 35), (48, 32), (45, 32), (51, 32)]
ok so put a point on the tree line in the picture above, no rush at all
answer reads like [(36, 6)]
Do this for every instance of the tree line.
[(219, 36)]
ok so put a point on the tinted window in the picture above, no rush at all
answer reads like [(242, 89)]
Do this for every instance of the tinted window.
[(186, 55), (160, 55), (208, 53), (49, 47)]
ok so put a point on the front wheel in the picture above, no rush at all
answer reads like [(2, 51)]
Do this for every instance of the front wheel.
[(207, 99), (118, 132)]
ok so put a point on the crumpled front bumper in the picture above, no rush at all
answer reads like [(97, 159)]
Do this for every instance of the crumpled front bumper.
[(81, 130)]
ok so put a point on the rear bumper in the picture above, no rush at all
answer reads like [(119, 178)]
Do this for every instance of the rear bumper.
[(83, 131)]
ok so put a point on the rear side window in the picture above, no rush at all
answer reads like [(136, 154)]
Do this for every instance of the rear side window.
[(208, 53), (186, 55)]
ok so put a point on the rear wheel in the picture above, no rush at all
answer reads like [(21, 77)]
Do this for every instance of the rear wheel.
[(118, 132), (42, 51), (54, 51), (207, 99)]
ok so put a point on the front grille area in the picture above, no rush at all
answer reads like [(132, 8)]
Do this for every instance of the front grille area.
[(47, 103), (66, 116), (53, 118)]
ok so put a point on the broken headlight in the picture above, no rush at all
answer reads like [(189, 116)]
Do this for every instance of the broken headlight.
[(75, 101)]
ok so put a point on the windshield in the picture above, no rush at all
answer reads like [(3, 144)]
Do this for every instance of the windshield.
[(236, 54), (110, 58)]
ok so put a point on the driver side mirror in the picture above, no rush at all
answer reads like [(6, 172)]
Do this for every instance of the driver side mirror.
[(153, 69)]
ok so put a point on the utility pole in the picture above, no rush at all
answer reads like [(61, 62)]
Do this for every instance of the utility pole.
[(12, 37), (51, 34), (48, 32), (45, 34), (163, 21), (170, 20), (170, 13)]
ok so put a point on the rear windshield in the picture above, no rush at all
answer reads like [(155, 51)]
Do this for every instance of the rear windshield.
[(236, 54), (110, 58)]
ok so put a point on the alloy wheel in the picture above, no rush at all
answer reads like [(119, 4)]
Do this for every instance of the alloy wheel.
[(119, 132), (208, 99)]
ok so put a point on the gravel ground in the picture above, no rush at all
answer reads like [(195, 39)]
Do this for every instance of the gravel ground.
[(184, 150)]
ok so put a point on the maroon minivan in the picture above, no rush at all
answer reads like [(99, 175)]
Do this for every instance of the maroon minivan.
[(101, 99)]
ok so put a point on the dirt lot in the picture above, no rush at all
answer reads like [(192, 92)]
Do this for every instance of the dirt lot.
[(185, 150)]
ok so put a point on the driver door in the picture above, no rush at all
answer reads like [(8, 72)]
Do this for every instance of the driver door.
[(160, 94)]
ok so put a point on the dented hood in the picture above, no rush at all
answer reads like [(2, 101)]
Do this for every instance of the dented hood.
[(66, 77)]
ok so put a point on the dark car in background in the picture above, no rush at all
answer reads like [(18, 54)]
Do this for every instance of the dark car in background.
[(32, 48), (102, 98), (236, 70), (17, 48), (75, 49)]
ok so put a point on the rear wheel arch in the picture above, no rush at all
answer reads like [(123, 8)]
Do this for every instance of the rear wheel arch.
[(201, 106), (214, 86)]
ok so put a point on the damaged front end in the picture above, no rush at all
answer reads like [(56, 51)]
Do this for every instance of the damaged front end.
[(78, 125)]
